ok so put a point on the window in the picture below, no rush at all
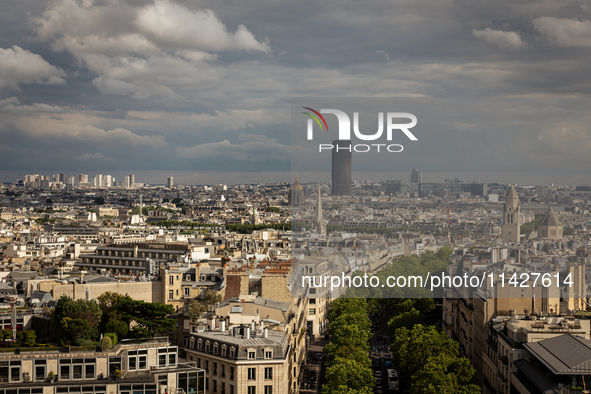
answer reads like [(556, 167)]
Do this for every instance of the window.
[(312, 311), (269, 373), (252, 374), (177, 291), (268, 354), (198, 363), (170, 294), (137, 360), (312, 301), (114, 364), (252, 390), (187, 291), (64, 372), (167, 356), (40, 370), (206, 366), (215, 368), (223, 371), (231, 389), (214, 384), (252, 355), (171, 280), (231, 373), (223, 388), (268, 389), (89, 372)]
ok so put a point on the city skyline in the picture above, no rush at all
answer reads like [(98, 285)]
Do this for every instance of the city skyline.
[(81, 103)]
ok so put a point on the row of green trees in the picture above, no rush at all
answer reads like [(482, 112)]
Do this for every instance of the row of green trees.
[(348, 368), (528, 227), (234, 227), (74, 321), (427, 263), (432, 361)]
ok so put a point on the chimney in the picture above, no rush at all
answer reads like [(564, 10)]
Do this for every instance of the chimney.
[(252, 326), (223, 325), (212, 326), (247, 332), (266, 333), (262, 324)]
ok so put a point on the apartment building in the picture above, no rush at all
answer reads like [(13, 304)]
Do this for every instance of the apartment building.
[(250, 345), (150, 367), (141, 257)]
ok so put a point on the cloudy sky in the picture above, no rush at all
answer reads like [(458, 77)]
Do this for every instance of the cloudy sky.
[(202, 90)]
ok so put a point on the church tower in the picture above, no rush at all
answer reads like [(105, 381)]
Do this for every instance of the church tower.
[(319, 224), (511, 226)]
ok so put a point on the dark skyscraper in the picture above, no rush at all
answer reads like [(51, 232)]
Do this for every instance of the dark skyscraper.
[(415, 176), (341, 168)]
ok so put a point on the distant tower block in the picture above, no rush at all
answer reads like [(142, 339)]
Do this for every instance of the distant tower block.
[(511, 225), (341, 168)]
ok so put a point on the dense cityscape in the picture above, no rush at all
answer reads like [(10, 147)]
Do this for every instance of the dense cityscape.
[(275, 197), (127, 286)]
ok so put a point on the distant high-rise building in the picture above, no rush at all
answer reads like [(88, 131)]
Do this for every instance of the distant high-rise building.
[(63, 179), (511, 212), (170, 182), (127, 180), (93, 182), (341, 168), (132, 180), (108, 180), (72, 180), (415, 176), (56, 178), (99, 180)]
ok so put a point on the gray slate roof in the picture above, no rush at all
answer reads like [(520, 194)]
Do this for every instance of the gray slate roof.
[(563, 355)]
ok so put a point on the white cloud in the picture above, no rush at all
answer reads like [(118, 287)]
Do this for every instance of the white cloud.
[(502, 39), (255, 148), (13, 105), (20, 65), (564, 32), (173, 25), (157, 50), (93, 156)]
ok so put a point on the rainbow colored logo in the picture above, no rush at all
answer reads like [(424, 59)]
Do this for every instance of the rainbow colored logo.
[(315, 118)]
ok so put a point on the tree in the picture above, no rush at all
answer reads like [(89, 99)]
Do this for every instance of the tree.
[(99, 200), (88, 311), (106, 343), (444, 374), (273, 209), (29, 338), (73, 330), (49, 201), (196, 308), (412, 348), (117, 327), (212, 298), (148, 316), (407, 320), (345, 374)]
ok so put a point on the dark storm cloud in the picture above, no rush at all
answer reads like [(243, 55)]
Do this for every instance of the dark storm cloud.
[(174, 85)]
